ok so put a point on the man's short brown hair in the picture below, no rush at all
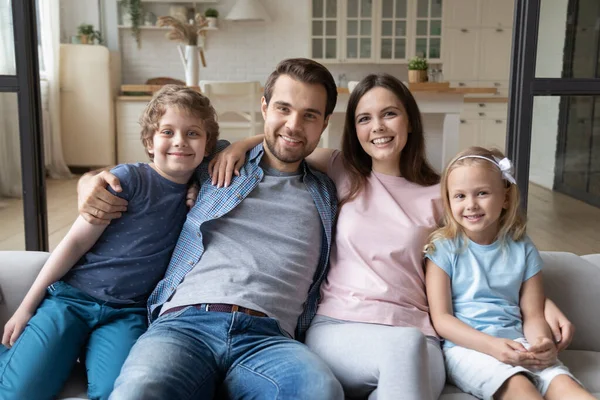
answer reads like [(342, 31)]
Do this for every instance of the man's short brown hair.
[(185, 99), (306, 71)]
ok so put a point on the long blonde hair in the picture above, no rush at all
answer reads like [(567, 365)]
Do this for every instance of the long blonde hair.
[(512, 222)]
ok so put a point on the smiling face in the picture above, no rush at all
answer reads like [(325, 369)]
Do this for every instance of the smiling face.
[(382, 129), (178, 146), (477, 197), (294, 122)]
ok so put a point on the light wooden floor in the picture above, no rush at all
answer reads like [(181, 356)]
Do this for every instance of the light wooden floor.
[(556, 221)]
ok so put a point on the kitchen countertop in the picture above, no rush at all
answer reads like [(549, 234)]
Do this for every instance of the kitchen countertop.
[(434, 87)]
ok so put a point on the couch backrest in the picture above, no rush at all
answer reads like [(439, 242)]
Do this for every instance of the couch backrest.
[(574, 285), (18, 270), (569, 280)]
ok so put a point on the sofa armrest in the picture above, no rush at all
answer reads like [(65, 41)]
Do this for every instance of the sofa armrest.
[(18, 270), (572, 283)]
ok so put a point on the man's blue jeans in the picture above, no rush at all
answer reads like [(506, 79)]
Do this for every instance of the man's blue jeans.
[(69, 324), (190, 353)]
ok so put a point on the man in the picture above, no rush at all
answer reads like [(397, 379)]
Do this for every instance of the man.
[(244, 279)]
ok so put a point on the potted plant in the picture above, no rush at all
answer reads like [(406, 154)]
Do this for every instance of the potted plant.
[(87, 34), (211, 15), (132, 16), (417, 70)]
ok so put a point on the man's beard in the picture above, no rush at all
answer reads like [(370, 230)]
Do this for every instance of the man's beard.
[(284, 156)]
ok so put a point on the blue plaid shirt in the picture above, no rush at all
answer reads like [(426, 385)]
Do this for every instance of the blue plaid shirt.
[(213, 203)]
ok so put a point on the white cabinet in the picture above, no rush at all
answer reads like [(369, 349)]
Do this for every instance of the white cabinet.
[(375, 31), (497, 13), (461, 13), (495, 53), (468, 133), (428, 31), (461, 54), (129, 144), (393, 31), (483, 124), (325, 30), (358, 30), (493, 133)]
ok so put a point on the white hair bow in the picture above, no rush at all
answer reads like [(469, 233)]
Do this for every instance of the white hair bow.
[(504, 165)]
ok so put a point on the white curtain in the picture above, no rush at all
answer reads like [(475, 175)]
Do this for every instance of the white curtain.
[(10, 161), (49, 11)]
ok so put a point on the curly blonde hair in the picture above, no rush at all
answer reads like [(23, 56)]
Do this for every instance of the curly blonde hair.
[(512, 222), (185, 99)]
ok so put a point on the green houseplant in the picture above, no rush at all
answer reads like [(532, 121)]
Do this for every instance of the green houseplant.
[(87, 34), (211, 15), (132, 14), (417, 70)]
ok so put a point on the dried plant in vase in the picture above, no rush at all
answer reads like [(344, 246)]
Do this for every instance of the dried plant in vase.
[(188, 34)]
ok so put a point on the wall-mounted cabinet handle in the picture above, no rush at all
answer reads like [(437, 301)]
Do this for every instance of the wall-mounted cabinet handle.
[(482, 114), (461, 84), (497, 84), (499, 30), (481, 104), (499, 121), (464, 30), (462, 121)]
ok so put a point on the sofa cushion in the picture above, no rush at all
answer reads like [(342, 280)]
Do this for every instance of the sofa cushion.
[(585, 365), (572, 283)]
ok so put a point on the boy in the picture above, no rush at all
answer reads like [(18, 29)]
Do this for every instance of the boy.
[(93, 289)]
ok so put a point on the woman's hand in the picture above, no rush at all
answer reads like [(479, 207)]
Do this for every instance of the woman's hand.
[(562, 329), (226, 163), (512, 353), (96, 204), (15, 326)]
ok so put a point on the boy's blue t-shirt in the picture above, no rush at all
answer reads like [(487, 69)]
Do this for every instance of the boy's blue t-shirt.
[(486, 282), (132, 254)]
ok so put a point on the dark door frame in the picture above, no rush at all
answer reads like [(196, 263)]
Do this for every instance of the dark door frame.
[(524, 86), (27, 86)]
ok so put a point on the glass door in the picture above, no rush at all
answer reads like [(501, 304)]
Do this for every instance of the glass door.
[(20, 130)]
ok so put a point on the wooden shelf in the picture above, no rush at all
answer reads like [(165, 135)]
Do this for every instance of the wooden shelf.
[(159, 28)]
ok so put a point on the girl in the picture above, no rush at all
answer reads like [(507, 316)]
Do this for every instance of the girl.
[(90, 297), (484, 287)]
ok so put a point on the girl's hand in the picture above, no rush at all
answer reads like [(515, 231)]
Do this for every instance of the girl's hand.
[(545, 351), (226, 163), (512, 353), (562, 329), (14, 327)]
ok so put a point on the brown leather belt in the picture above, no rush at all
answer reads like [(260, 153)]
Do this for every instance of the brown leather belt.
[(226, 308)]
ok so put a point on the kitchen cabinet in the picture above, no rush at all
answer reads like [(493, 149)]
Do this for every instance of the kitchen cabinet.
[(375, 31), (497, 13), (428, 30), (495, 53), (462, 13), (483, 124), (461, 54)]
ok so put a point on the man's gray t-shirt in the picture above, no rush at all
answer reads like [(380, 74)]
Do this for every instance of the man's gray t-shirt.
[(262, 255)]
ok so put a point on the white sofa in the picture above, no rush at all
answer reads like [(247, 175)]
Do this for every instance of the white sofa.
[(573, 283)]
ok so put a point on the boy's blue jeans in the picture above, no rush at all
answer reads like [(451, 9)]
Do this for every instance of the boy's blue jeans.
[(192, 353), (69, 324)]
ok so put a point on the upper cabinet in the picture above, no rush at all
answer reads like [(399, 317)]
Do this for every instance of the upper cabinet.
[(428, 37), (461, 13), (497, 13), (375, 31)]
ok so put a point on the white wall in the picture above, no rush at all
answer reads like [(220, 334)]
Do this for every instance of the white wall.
[(74, 13), (551, 39), (237, 51)]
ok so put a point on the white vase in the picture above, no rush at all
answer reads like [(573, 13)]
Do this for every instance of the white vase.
[(191, 64)]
